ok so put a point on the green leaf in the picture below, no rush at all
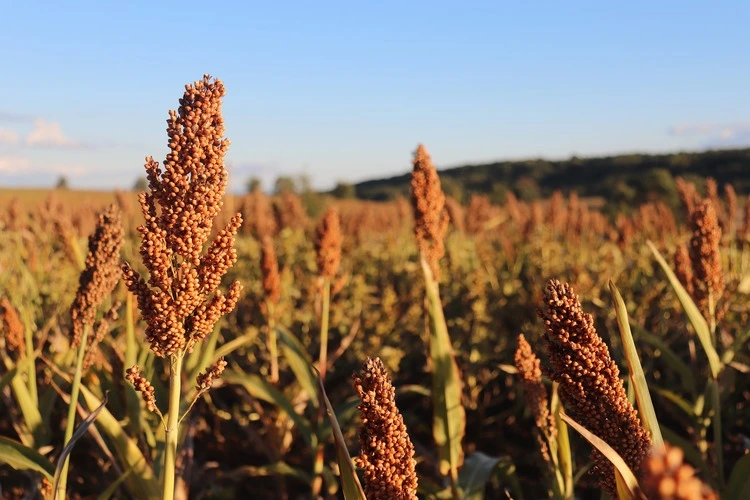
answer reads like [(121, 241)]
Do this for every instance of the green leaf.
[(80, 431), (449, 416), (694, 315), (714, 402), (142, 483), (627, 479), (110, 491), (479, 468), (260, 388), (22, 457), (30, 411), (564, 460), (640, 386), (738, 487), (674, 362), (274, 469), (349, 479), (299, 363)]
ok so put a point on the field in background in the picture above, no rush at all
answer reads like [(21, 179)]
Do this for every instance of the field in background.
[(244, 441)]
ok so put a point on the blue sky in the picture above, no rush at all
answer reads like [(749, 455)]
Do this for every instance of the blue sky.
[(346, 90)]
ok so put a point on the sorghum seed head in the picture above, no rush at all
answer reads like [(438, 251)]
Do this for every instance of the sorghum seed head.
[(205, 379), (328, 244), (666, 476), (708, 275), (386, 452), (428, 203), (180, 301), (142, 385), (101, 271), (269, 267), (590, 384), (536, 395)]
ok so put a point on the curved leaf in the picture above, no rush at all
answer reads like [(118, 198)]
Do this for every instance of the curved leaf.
[(449, 417), (349, 479), (640, 386), (22, 457), (626, 477), (694, 315)]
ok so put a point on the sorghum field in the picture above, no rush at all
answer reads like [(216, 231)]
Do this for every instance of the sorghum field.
[(184, 344)]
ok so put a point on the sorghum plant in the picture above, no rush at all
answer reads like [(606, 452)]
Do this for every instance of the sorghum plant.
[(180, 300)]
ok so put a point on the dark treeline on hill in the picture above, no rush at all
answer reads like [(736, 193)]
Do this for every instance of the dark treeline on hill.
[(621, 181)]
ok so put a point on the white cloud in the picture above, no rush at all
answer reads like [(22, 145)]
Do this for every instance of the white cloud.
[(715, 135), (48, 134), (8, 136), (13, 164)]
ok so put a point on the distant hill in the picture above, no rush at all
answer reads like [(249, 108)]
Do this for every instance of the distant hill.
[(624, 180)]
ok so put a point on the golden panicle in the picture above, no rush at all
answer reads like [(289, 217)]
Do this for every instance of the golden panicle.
[(590, 383), (92, 350), (205, 379), (133, 375), (708, 275), (536, 395), (428, 204), (257, 210), (101, 271), (180, 301), (328, 244), (269, 267), (289, 212), (683, 267), (712, 189), (386, 452), (455, 213), (688, 194), (478, 213), (731, 199), (11, 327), (667, 477)]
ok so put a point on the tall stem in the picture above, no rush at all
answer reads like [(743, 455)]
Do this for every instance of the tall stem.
[(173, 423), (322, 365), (273, 349), (323, 359), (71, 423)]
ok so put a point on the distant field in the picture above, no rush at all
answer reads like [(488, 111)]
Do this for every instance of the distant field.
[(31, 197)]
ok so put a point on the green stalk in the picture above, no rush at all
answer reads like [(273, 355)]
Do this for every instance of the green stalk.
[(273, 347), (323, 359), (30, 356), (70, 424), (173, 423), (322, 365)]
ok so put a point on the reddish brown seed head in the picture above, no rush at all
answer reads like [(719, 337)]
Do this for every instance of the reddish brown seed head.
[(667, 477), (530, 373), (590, 384), (181, 301), (328, 244), (101, 272), (428, 203), (386, 452)]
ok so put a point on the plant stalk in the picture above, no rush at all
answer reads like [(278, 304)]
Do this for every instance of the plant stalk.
[(173, 424), (273, 347), (70, 424), (323, 359)]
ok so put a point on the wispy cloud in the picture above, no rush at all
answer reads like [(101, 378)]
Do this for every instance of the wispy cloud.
[(715, 135), (9, 136), (15, 165), (49, 134)]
